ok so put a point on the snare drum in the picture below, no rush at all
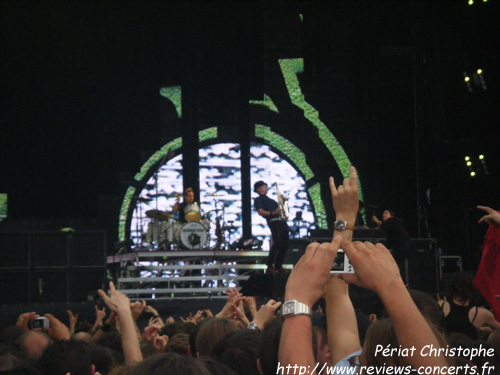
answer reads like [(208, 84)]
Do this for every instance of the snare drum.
[(193, 235)]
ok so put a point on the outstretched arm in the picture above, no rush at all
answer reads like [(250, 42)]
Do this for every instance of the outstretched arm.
[(307, 283), (375, 269), (120, 303), (343, 336), (345, 201)]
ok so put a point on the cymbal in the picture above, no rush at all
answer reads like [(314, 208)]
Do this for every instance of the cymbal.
[(158, 215), (212, 195), (193, 216)]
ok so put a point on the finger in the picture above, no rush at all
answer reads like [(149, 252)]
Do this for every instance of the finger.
[(104, 296), (331, 250), (349, 249), (276, 306), (487, 209), (112, 288), (341, 189), (270, 302), (369, 245), (349, 278), (483, 219), (353, 180), (333, 189), (96, 309), (310, 250)]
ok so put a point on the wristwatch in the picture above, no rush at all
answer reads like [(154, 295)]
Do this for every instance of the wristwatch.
[(294, 307), (342, 225), (254, 327)]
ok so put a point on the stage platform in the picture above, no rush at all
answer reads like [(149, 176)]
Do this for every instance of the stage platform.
[(194, 273), (205, 273)]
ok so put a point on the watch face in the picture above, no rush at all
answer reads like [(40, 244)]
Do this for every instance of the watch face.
[(288, 308), (340, 225)]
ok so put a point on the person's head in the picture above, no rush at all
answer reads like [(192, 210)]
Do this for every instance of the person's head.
[(215, 367), (169, 363), (260, 187), (71, 356), (387, 215), (239, 350), (102, 358), (32, 345), (172, 329), (188, 196), (429, 308), (178, 344), (461, 286), (83, 336), (211, 333)]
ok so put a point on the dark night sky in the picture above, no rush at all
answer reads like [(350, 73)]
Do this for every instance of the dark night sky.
[(81, 79)]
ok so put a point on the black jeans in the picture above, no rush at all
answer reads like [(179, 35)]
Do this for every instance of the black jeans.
[(279, 232)]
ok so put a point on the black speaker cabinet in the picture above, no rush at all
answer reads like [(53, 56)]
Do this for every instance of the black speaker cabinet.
[(50, 286), (266, 285), (15, 250), (15, 287), (50, 249)]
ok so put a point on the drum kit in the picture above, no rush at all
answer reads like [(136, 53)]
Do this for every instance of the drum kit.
[(166, 232)]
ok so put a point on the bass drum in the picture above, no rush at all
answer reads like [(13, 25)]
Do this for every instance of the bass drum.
[(193, 236)]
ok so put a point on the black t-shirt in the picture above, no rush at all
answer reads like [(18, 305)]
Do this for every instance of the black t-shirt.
[(397, 235), (267, 204)]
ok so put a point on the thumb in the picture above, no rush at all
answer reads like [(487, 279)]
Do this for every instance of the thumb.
[(349, 278)]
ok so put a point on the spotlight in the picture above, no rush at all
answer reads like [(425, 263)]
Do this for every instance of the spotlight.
[(480, 71), (467, 79), (469, 163), (472, 174), (481, 157), (467, 158), (471, 2)]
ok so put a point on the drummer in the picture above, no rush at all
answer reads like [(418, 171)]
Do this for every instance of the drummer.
[(185, 206)]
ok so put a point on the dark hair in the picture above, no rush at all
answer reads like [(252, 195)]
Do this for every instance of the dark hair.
[(215, 367), (147, 349), (172, 329), (178, 344), (269, 346), (239, 350), (194, 333), (461, 286), (211, 333), (169, 363), (429, 307), (102, 358), (113, 341), (66, 356), (391, 212)]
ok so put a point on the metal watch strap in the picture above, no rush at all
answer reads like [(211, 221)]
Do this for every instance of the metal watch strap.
[(294, 307)]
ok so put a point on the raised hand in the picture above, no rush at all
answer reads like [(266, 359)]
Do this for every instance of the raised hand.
[(309, 278), (374, 266), (116, 301), (24, 319), (492, 217), (345, 198), (137, 309), (57, 330), (266, 313)]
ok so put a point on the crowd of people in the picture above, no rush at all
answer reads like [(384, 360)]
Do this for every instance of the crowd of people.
[(316, 329)]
